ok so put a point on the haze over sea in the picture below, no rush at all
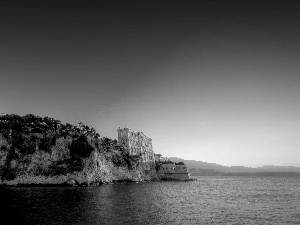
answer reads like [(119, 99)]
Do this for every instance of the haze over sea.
[(208, 200)]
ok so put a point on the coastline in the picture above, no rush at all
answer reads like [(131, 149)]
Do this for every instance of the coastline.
[(63, 181), (72, 180)]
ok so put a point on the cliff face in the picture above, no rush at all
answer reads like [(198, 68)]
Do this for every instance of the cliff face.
[(98, 170)]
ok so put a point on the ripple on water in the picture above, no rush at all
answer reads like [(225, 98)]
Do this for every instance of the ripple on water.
[(209, 200)]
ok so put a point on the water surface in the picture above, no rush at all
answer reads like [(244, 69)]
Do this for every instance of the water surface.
[(209, 200)]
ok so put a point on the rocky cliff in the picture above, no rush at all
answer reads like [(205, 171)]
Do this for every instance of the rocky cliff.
[(97, 171), (43, 151)]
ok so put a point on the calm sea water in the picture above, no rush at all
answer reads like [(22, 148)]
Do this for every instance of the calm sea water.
[(209, 200)]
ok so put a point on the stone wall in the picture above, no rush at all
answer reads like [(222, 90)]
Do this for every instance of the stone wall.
[(138, 143)]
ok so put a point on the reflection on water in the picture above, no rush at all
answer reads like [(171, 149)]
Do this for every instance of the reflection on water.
[(209, 200)]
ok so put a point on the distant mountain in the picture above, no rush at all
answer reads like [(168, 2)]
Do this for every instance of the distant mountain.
[(235, 169), (271, 168)]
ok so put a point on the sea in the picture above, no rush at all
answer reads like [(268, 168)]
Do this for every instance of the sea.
[(207, 200)]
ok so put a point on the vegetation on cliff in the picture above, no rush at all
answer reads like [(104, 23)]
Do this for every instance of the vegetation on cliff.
[(42, 150)]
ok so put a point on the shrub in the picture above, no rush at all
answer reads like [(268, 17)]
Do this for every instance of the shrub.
[(40, 163), (81, 147)]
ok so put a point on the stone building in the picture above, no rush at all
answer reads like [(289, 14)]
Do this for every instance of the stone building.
[(138, 143), (175, 171)]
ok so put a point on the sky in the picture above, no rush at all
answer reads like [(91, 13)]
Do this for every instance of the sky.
[(214, 81)]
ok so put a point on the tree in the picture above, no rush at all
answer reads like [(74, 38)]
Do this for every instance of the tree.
[(81, 147)]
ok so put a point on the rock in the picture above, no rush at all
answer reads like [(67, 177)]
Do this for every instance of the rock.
[(71, 182)]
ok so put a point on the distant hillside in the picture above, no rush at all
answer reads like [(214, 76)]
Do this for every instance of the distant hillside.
[(235, 169), (271, 168)]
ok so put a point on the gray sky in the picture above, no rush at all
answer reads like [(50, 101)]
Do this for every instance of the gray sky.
[(215, 81)]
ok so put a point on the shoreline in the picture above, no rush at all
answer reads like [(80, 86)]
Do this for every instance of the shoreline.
[(73, 183)]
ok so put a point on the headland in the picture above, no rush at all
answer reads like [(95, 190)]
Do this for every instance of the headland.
[(42, 151)]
